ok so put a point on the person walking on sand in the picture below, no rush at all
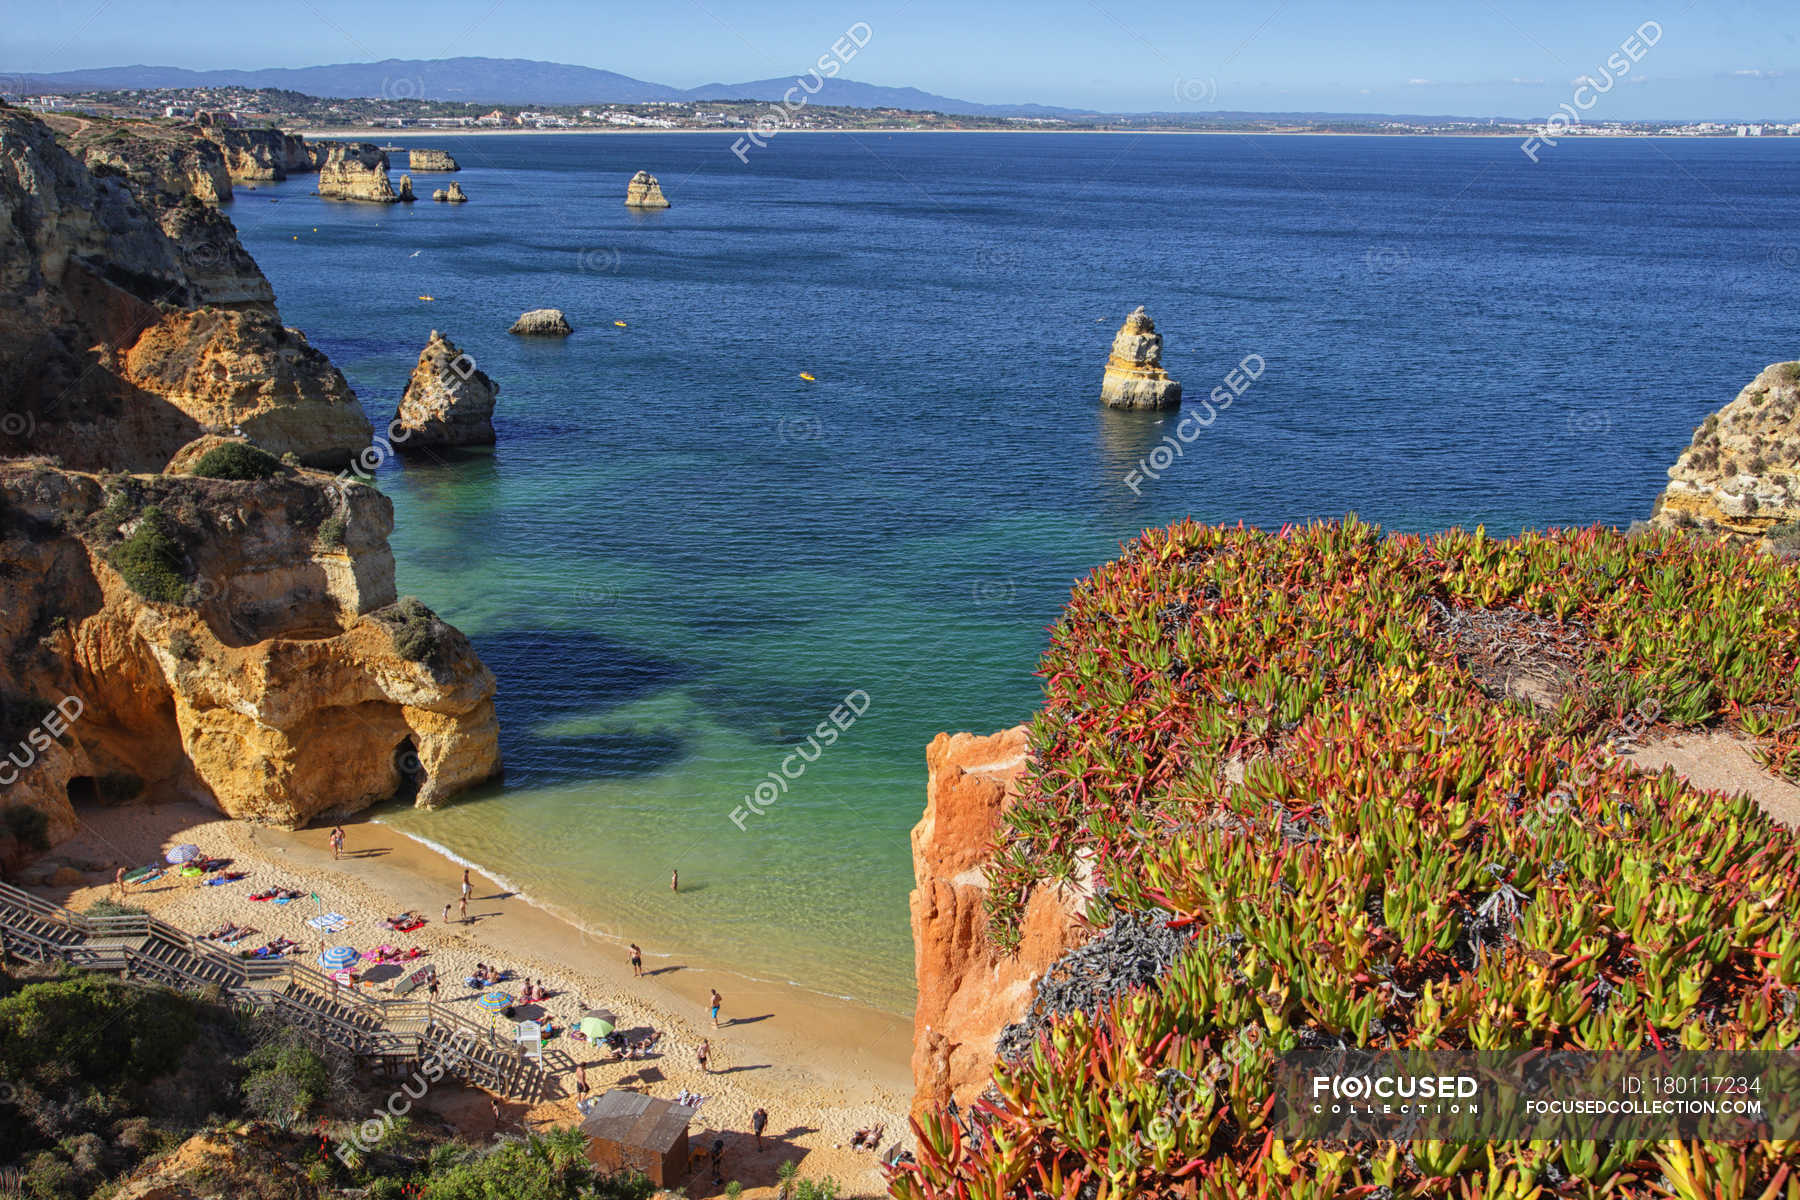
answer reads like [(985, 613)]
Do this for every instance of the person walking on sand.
[(446, 914), (705, 1056), (674, 879), (716, 1001), (462, 909), (468, 888), (581, 1083), (337, 841), (637, 960), (432, 987), (759, 1121)]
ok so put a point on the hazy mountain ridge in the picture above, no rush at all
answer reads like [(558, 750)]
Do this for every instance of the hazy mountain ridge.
[(505, 81)]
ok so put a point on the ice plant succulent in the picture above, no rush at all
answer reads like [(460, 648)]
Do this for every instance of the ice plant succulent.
[(1374, 778)]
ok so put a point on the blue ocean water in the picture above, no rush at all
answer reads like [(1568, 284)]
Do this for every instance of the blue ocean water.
[(682, 556)]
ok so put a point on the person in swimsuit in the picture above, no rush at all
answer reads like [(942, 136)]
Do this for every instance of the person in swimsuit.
[(675, 879), (467, 887), (637, 959), (717, 1001), (705, 1056), (759, 1121), (337, 841), (581, 1083)]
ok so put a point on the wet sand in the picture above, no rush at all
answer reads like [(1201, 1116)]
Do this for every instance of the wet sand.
[(822, 1068)]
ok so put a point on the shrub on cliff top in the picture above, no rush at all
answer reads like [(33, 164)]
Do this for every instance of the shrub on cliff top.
[(416, 630), (151, 560), (237, 460), (1376, 780)]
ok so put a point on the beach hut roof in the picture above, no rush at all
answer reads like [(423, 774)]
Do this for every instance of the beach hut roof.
[(632, 1119)]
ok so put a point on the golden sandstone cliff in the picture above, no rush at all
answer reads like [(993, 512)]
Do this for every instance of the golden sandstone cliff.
[(1740, 477), (644, 192), (356, 171), (968, 989), (183, 614)]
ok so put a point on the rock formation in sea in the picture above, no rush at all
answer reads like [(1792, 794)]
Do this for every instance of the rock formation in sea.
[(970, 990), (450, 195), (356, 171), (132, 321), (449, 401), (1740, 477), (421, 160), (404, 192), (188, 613), (644, 192), (1134, 374), (543, 322)]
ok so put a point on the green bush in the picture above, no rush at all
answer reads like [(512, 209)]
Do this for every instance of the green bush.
[(27, 824), (237, 460), (94, 1030), (331, 531), (543, 1167), (151, 560), (416, 630), (284, 1079)]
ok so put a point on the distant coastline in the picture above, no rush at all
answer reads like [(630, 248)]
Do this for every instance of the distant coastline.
[(383, 134)]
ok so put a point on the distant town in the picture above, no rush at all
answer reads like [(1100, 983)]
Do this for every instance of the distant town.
[(297, 112)]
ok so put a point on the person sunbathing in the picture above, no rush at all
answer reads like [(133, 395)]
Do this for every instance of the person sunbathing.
[(406, 922), (227, 930), (867, 1139)]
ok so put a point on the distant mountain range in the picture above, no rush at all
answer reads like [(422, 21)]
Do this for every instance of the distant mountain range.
[(511, 81)]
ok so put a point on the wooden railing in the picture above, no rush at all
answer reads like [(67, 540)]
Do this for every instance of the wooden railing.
[(347, 1017)]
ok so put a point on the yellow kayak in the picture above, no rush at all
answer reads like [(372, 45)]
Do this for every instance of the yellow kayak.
[(807, 377), (620, 324), (428, 297)]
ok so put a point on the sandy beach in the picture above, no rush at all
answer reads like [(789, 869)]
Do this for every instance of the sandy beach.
[(821, 1068)]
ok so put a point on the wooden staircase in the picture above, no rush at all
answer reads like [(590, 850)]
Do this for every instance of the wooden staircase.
[(398, 1033)]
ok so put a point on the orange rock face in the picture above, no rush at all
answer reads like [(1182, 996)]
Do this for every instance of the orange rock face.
[(969, 990)]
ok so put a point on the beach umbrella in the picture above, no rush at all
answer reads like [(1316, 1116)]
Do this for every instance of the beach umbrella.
[(339, 957), (186, 852), (594, 1029), (602, 1014), (495, 1001)]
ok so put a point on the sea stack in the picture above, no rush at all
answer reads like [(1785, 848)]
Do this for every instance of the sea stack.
[(448, 401), (422, 160), (356, 171), (405, 194), (1134, 374), (1740, 477), (644, 192), (450, 195), (542, 322)]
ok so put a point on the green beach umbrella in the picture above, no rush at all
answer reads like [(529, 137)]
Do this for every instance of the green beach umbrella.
[(594, 1029)]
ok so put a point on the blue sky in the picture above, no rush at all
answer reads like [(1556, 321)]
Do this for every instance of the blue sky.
[(1716, 58)]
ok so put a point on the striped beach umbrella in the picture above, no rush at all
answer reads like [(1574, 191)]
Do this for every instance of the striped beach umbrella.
[(339, 957), (495, 1001), (186, 852)]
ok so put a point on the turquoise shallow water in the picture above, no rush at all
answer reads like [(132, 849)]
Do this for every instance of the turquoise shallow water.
[(682, 556)]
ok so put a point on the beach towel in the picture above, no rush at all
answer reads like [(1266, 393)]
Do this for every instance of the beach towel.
[(408, 927), (329, 922), (229, 877)]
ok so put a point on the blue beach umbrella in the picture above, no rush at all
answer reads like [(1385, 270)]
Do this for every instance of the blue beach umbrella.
[(495, 1001), (339, 957), (186, 852)]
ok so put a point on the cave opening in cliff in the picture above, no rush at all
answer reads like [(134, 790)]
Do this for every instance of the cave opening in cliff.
[(412, 771)]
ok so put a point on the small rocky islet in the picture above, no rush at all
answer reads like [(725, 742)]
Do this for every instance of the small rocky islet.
[(643, 191), (1134, 377)]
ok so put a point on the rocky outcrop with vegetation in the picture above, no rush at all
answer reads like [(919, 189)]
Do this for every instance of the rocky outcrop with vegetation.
[(542, 322), (186, 609), (1336, 789), (114, 348), (1740, 477)]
